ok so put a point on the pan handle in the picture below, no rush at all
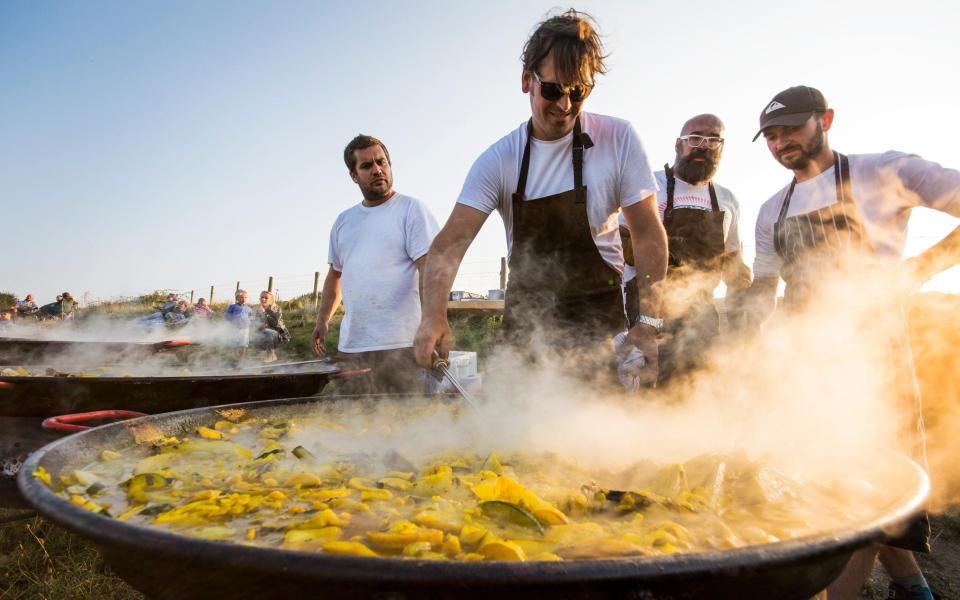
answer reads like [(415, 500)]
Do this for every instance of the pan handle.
[(170, 345), (68, 423), (344, 374)]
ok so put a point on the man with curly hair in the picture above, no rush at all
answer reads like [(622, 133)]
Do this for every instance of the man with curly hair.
[(559, 181)]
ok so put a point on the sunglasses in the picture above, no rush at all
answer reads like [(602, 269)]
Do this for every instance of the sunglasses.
[(552, 92)]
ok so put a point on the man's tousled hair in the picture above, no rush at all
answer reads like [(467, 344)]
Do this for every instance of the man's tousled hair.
[(572, 39), (361, 142)]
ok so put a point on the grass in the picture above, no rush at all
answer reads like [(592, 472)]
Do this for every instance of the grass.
[(39, 560)]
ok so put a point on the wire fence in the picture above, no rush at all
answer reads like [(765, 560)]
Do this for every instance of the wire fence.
[(477, 277)]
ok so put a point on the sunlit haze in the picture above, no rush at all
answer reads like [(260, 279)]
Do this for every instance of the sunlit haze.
[(179, 145)]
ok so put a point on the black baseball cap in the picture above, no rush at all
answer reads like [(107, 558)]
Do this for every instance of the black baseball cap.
[(791, 107)]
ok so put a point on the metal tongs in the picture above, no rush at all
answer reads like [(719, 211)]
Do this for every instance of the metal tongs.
[(442, 366)]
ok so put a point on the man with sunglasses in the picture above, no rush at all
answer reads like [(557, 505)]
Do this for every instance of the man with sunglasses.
[(559, 181), (701, 220), (841, 217)]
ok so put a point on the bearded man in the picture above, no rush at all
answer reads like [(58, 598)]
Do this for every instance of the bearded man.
[(376, 255), (840, 216), (701, 219)]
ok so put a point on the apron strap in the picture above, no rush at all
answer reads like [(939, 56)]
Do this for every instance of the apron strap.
[(841, 175), (672, 184), (714, 204), (786, 201), (581, 141), (525, 163)]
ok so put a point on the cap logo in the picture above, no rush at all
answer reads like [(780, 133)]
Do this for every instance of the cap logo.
[(773, 106)]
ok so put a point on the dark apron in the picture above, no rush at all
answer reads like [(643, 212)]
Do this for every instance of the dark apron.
[(696, 245), (561, 291), (833, 237)]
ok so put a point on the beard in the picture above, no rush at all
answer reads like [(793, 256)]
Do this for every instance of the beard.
[(696, 172), (807, 152), (377, 194)]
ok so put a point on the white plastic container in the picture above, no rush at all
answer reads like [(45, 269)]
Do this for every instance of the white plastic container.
[(463, 366)]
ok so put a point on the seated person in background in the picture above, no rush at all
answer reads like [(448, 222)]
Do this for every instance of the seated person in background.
[(6, 317), (239, 315), (52, 310), (201, 309), (27, 307), (61, 309), (177, 314), (271, 332), (169, 304), (67, 304)]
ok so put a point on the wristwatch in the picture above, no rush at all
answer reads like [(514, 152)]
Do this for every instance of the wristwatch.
[(654, 322)]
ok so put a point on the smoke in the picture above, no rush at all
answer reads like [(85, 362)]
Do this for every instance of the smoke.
[(821, 392), (210, 339), (934, 339)]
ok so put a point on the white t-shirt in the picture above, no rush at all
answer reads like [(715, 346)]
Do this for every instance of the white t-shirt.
[(616, 173), (686, 195), (885, 187), (376, 248)]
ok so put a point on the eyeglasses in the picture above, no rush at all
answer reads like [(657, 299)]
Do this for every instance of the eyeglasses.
[(552, 92), (695, 141)]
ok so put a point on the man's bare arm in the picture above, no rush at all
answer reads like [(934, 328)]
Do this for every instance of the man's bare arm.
[(736, 274), (650, 259), (649, 241), (420, 263), (759, 302), (329, 301), (442, 264), (935, 259)]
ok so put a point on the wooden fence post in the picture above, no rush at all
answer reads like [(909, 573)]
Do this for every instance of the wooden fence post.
[(191, 296), (270, 284), (503, 272), (210, 299), (316, 287), (238, 287)]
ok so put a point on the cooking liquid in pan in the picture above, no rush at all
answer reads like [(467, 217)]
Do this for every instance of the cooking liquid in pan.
[(343, 482)]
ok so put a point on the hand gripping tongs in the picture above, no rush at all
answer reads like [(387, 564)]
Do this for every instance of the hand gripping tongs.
[(442, 366)]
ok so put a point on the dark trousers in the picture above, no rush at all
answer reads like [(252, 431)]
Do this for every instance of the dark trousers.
[(391, 372)]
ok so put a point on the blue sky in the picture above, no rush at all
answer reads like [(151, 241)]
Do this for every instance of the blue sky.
[(149, 145)]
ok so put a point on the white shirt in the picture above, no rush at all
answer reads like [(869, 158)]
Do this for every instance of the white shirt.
[(375, 248), (616, 173), (885, 187), (697, 197)]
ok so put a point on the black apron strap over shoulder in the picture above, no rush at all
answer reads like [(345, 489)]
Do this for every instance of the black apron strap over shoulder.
[(672, 185), (525, 163), (714, 203), (841, 177), (581, 141)]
